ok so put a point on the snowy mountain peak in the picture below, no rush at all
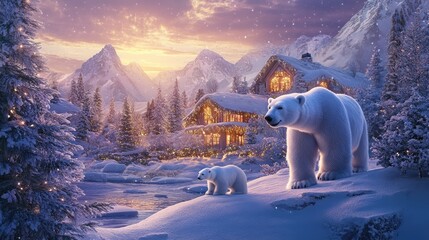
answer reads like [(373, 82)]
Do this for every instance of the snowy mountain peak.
[(116, 81), (207, 54)]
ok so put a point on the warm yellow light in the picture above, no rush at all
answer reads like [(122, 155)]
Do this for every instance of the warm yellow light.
[(280, 82)]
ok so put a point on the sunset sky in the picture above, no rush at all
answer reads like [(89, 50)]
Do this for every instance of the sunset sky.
[(166, 34)]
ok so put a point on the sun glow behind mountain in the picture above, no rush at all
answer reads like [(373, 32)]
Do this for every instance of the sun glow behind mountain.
[(165, 35)]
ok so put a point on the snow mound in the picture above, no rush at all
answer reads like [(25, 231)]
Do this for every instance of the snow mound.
[(378, 204), (114, 168), (101, 165), (95, 177), (169, 180), (120, 212)]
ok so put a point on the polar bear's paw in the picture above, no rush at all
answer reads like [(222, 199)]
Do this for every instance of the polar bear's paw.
[(300, 184), (359, 169), (209, 193), (326, 176)]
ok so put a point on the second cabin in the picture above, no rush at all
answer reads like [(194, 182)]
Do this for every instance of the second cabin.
[(283, 74)]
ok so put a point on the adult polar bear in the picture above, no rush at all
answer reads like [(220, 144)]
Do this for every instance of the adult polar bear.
[(320, 122)]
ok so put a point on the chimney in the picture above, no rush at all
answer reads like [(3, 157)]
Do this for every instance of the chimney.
[(306, 57)]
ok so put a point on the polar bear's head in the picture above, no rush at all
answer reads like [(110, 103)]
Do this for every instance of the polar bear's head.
[(206, 173), (284, 110)]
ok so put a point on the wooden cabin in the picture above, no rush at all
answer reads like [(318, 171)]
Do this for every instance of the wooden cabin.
[(283, 74), (222, 117)]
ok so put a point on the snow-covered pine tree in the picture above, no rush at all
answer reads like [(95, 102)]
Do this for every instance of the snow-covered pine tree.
[(184, 103), (111, 116), (199, 95), (175, 110), (393, 88), (159, 115), (38, 194), (251, 131), (405, 142), (84, 120), (97, 111), (73, 98), (137, 123), (148, 118), (415, 55), (243, 88), (80, 91), (235, 84), (126, 134), (212, 85), (369, 98)]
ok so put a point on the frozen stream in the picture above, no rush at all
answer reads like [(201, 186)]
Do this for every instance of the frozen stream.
[(147, 199)]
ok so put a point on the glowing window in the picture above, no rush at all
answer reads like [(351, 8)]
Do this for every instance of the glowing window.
[(280, 82), (323, 84), (216, 138), (208, 116)]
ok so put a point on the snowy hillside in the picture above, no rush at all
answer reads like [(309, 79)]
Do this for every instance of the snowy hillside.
[(250, 64), (105, 70), (379, 204), (353, 45), (207, 65)]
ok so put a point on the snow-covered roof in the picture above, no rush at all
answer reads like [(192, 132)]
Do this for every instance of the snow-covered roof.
[(248, 103), (311, 71), (238, 102)]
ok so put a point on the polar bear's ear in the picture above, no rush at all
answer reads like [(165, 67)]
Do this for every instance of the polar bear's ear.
[(301, 99), (270, 100)]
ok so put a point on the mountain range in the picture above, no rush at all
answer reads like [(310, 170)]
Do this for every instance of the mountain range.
[(351, 48), (115, 80)]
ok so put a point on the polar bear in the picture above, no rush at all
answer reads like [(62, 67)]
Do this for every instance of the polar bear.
[(320, 125), (220, 179)]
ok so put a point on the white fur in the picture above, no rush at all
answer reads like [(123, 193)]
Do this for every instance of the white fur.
[(220, 179), (325, 125)]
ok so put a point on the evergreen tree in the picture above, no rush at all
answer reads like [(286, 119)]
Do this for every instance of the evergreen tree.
[(137, 124), (39, 197), (126, 134), (199, 95), (175, 110), (393, 88), (415, 63), (184, 103), (148, 118), (97, 111), (84, 122), (111, 116), (369, 98), (235, 84), (212, 85), (80, 91), (73, 98), (159, 115), (243, 87), (405, 142), (251, 131)]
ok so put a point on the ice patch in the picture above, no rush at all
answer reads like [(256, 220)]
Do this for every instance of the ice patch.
[(155, 236), (169, 180), (134, 191)]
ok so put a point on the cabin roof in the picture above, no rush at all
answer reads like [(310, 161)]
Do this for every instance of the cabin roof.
[(248, 103), (311, 71)]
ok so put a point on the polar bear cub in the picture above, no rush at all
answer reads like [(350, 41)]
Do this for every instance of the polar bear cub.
[(320, 124), (220, 179)]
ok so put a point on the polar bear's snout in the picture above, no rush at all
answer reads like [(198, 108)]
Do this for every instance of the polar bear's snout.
[(268, 118)]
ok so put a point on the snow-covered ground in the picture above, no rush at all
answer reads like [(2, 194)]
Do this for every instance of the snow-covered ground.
[(379, 204), (140, 191)]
